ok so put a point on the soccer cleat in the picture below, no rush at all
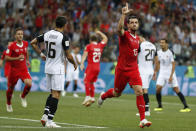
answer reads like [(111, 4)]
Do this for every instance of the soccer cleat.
[(144, 123), (63, 93), (23, 102), (158, 109), (185, 110), (75, 95), (44, 119), (9, 108), (147, 113), (87, 101), (92, 99), (100, 101), (51, 124)]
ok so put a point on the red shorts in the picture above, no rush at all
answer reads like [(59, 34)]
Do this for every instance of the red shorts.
[(14, 76), (124, 77), (91, 75)]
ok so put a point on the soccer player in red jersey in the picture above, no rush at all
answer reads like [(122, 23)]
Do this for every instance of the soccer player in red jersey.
[(93, 51), (127, 68), (7, 63), (17, 55)]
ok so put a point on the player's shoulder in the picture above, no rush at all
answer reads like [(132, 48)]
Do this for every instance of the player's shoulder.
[(25, 42), (170, 51)]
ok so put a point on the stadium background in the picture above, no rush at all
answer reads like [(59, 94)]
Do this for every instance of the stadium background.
[(173, 19)]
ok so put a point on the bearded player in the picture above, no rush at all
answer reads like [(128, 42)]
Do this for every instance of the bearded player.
[(17, 55), (127, 68)]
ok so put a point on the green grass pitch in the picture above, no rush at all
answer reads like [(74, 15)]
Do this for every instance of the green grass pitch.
[(116, 114)]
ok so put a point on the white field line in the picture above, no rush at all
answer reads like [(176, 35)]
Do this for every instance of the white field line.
[(119, 99), (77, 125)]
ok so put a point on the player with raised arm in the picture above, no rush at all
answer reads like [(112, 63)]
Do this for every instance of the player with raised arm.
[(17, 55), (146, 57), (93, 51), (167, 75), (57, 46), (127, 68)]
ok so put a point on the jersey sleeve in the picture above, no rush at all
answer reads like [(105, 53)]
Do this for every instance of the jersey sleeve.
[(3, 55), (65, 42), (9, 51), (172, 56), (156, 54), (87, 48), (40, 38), (79, 57)]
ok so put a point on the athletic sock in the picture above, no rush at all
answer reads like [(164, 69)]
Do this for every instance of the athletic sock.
[(53, 107), (92, 90), (9, 93), (25, 91), (66, 85), (47, 108), (158, 96), (141, 106), (183, 100), (75, 87), (87, 88), (146, 99), (108, 94)]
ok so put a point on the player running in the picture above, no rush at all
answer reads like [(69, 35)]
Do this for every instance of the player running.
[(167, 74), (127, 68), (70, 73), (57, 46), (146, 57), (17, 55), (93, 51)]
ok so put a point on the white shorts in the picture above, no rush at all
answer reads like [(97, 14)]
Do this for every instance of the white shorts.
[(146, 78), (55, 82), (72, 75), (164, 79)]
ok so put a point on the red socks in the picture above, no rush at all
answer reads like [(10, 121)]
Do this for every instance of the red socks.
[(108, 94), (25, 91), (141, 106), (92, 90), (87, 89), (9, 93)]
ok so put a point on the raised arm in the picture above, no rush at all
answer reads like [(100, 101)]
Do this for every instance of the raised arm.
[(103, 36), (125, 11)]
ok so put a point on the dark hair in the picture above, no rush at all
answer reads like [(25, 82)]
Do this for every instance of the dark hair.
[(18, 29), (164, 40), (60, 21), (93, 38), (132, 16)]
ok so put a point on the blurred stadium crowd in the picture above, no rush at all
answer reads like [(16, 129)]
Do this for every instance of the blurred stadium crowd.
[(172, 19)]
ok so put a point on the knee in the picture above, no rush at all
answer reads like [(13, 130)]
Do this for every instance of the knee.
[(158, 90), (56, 94), (28, 83), (116, 94), (138, 92), (176, 89)]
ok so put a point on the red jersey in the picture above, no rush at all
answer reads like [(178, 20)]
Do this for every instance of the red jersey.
[(94, 53), (14, 50), (128, 52), (7, 63)]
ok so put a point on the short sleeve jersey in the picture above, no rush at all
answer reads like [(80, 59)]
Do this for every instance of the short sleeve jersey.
[(7, 63), (94, 53), (15, 50), (165, 58), (56, 43), (128, 52), (146, 57)]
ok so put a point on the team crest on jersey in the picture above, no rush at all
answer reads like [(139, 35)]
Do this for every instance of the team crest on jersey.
[(21, 49), (17, 50), (7, 51)]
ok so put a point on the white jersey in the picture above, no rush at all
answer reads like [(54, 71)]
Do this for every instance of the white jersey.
[(55, 43), (165, 58), (70, 67), (146, 57)]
